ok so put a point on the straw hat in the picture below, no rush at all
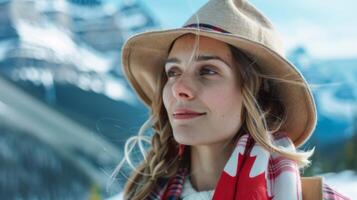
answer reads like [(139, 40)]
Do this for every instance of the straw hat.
[(240, 24)]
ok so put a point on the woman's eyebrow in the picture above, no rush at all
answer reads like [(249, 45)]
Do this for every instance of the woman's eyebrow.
[(210, 57), (172, 60), (198, 58)]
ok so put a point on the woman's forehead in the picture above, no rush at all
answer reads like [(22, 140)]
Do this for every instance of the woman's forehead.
[(199, 45)]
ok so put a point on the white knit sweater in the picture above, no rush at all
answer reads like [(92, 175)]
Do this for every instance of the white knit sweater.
[(189, 193)]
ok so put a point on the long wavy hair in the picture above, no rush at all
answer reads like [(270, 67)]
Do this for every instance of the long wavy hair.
[(262, 116)]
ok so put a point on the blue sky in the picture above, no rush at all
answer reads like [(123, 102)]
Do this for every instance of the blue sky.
[(328, 28)]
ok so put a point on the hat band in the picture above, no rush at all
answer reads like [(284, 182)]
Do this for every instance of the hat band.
[(206, 27)]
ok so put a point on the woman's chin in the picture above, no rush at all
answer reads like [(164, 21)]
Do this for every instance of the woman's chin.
[(190, 141), (185, 139)]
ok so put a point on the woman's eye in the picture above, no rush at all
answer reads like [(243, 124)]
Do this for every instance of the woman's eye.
[(171, 73), (207, 71)]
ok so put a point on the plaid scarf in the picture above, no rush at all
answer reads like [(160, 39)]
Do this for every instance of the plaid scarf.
[(251, 173)]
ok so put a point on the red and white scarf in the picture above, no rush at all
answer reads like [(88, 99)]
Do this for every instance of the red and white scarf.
[(254, 173), (251, 173)]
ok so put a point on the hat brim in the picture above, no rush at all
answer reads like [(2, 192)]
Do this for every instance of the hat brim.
[(143, 57)]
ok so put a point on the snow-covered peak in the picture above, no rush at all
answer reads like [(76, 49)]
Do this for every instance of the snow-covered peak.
[(63, 47)]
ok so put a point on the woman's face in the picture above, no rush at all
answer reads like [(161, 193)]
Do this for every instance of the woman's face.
[(202, 94)]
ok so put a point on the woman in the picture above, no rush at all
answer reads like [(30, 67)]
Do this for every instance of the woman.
[(227, 108)]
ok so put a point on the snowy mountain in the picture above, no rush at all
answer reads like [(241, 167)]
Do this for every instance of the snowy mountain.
[(62, 91), (60, 52)]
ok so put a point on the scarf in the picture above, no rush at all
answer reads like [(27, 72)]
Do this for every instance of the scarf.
[(250, 173)]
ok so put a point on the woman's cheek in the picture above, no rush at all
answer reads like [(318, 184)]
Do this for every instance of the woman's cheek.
[(166, 96)]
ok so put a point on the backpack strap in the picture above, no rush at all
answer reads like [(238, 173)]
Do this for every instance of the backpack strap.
[(311, 188)]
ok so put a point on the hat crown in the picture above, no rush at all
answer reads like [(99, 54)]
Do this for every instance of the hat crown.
[(239, 18)]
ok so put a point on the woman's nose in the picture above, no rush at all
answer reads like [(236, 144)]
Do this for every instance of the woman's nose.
[(183, 89)]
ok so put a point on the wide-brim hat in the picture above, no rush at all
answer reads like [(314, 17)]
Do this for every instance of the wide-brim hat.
[(241, 25)]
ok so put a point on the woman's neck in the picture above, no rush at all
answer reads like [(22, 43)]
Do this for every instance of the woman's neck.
[(207, 163)]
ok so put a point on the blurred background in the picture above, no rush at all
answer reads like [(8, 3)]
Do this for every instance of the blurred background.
[(66, 109)]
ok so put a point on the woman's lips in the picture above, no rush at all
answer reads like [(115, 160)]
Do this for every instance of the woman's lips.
[(187, 115)]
